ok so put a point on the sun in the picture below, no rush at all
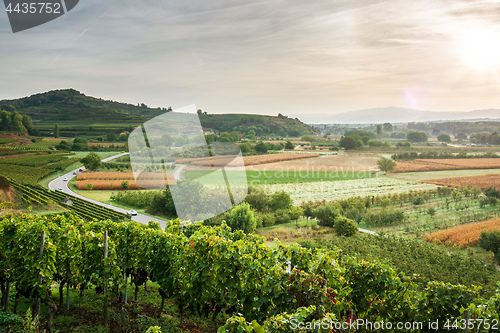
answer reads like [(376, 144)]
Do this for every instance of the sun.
[(480, 49)]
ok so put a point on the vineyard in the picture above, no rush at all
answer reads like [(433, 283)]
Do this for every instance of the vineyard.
[(463, 236), (482, 181), (435, 263), (34, 160), (446, 164), (24, 174), (218, 274), (85, 209)]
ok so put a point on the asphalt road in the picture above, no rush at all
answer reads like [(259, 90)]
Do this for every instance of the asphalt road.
[(60, 183)]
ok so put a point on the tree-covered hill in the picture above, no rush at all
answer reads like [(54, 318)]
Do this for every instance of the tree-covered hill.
[(78, 114)]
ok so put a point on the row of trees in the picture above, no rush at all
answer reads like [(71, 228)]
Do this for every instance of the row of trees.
[(15, 122)]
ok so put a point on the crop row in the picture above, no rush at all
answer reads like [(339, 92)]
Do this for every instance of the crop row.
[(63, 164), (81, 207), (34, 160), (464, 235), (122, 176), (23, 174), (482, 181), (447, 164), (117, 184)]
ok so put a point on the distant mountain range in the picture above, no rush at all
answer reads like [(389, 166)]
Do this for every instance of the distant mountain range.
[(395, 115)]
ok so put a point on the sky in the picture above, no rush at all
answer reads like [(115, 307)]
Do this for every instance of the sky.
[(267, 57)]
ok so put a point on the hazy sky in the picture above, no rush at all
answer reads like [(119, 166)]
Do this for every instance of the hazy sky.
[(266, 57)]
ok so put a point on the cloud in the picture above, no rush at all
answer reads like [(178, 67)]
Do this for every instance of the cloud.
[(235, 56)]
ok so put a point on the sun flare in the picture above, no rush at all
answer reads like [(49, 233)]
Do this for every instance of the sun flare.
[(480, 50)]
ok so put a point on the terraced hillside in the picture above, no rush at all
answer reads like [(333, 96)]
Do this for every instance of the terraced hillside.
[(78, 114)]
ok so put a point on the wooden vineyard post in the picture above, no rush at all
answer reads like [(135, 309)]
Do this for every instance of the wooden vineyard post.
[(37, 305), (105, 278), (466, 317), (67, 292)]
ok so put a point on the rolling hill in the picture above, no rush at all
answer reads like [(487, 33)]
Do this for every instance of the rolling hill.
[(77, 114)]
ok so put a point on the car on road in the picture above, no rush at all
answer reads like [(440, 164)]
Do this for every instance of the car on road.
[(60, 189), (74, 172), (132, 212), (65, 179)]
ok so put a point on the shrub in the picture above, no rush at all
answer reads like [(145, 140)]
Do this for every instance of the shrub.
[(282, 216), (418, 200), (241, 217), (268, 219), (345, 227), (431, 211), (257, 199), (327, 214), (125, 185), (7, 319), (280, 200), (492, 192), (490, 241)]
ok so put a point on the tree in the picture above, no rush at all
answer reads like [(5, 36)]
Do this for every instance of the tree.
[(327, 214), (490, 241), (414, 136), (461, 136), (111, 137), (257, 198), (444, 138), (306, 138), (241, 217), (163, 204), (386, 164), (308, 211), (125, 185), (379, 130), (280, 200), (289, 145), (295, 212), (56, 131), (91, 162), (388, 127), (89, 187), (245, 148), (261, 147), (350, 142)]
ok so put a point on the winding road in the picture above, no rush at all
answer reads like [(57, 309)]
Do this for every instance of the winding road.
[(60, 183)]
